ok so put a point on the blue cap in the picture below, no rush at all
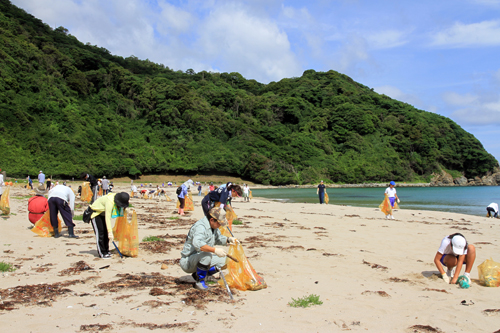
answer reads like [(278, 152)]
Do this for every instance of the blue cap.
[(392, 183)]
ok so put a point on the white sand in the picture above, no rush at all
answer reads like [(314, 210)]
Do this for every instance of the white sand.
[(303, 249)]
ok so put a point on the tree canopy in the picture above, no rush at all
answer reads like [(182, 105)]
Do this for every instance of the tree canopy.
[(68, 107)]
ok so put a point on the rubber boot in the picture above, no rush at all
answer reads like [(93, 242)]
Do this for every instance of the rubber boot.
[(56, 233), (210, 272), (202, 274), (72, 233)]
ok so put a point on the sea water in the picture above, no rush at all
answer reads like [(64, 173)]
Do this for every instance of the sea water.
[(471, 200)]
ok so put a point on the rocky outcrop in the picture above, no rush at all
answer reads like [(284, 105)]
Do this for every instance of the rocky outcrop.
[(442, 179), (460, 181)]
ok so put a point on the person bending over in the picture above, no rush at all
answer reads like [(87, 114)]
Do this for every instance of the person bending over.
[(453, 253), (105, 208), (492, 209), (222, 195), (199, 255)]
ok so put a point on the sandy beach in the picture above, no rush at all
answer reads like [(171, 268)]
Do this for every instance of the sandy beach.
[(371, 274)]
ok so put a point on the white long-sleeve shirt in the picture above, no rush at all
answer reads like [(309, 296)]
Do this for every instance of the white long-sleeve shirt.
[(494, 206), (65, 193)]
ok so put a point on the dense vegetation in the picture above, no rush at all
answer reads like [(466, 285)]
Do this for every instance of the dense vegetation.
[(68, 107)]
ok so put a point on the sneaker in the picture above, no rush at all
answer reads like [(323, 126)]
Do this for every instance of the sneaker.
[(106, 256), (387, 217), (450, 272), (392, 217)]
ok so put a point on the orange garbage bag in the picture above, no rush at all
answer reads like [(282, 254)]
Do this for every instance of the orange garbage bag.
[(86, 192), (188, 203), (250, 194), (241, 275), (386, 207), (327, 199), (230, 216), (4, 202), (127, 235), (43, 228), (100, 192)]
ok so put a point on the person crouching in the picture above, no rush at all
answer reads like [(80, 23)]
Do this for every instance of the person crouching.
[(197, 256), (453, 253), (105, 208)]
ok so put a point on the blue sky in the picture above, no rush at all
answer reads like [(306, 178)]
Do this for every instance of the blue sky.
[(439, 56)]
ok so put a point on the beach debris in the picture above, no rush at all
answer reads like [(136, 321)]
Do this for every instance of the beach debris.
[(37, 294), (378, 292), (95, 327), (326, 254), (77, 268), (395, 279), (292, 247), (121, 297), (311, 249), (351, 215), (424, 329), (166, 262), (464, 302), (374, 266), (155, 303), (438, 290), (164, 266), (158, 246), (159, 291), (491, 312), (152, 326), (140, 281)]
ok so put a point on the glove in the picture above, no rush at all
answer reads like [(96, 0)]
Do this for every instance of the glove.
[(232, 241), (110, 236), (399, 200), (220, 252), (72, 213), (446, 278), (221, 206)]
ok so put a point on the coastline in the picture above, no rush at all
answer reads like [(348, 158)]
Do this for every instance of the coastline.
[(371, 274)]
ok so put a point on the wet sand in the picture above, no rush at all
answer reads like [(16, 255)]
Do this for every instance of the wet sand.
[(371, 274)]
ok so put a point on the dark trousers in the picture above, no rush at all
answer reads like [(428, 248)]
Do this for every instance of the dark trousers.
[(206, 205), (95, 191), (182, 202), (491, 211), (101, 234), (58, 205), (321, 197)]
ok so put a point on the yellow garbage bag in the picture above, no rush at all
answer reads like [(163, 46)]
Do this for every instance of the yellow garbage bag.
[(326, 198), (86, 192), (188, 203), (489, 273), (250, 194), (4, 202), (230, 216), (100, 192), (241, 275), (43, 228), (127, 235), (386, 207)]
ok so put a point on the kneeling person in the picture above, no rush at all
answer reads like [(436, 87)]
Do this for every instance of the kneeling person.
[(197, 256), (453, 253)]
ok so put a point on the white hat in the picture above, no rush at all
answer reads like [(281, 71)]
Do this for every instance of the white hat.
[(458, 245), (40, 170)]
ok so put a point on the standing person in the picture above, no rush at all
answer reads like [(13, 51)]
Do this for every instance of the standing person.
[(1, 184), (105, 208), (211, 187), (105, 185), (37, 205), (197, 256), (41, 177), (246, 192), (391, 193), (199, 190), (62, 199), (49, 184), (93, 185), (133, 189), (321, 192), (492, 209), (181, 195), (454, 252), (222, 195)]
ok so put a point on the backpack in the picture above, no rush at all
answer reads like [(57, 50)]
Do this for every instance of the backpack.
[(179, 190), (87, 214)]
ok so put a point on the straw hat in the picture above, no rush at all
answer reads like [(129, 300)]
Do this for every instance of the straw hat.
[(40, 190)]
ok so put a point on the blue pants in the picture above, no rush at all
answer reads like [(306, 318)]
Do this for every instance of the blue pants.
[(322, 197)]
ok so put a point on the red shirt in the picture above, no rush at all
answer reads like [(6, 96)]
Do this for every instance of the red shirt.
[(37, 206)]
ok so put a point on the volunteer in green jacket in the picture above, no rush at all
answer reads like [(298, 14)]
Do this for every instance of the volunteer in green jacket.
[(197, 256), (106, 208)]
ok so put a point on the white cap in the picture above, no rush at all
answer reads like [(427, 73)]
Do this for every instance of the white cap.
[(458, 244)]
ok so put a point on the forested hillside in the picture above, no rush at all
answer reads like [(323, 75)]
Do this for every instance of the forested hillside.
[(67, 107)]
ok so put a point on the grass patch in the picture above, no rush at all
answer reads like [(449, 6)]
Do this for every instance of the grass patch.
[(305, 301), (237, 222), (78, 217), (151, 239), (22, 197), (5, 267), (173, 217)]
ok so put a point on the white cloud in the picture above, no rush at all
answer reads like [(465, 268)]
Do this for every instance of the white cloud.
[(452, 98), (486, 33), (387, 39), (173, 18), (251, 45)]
